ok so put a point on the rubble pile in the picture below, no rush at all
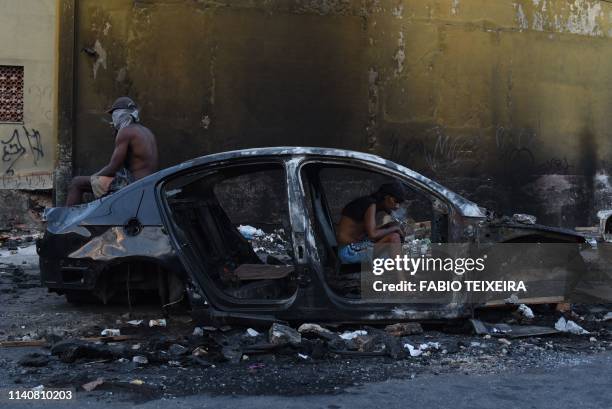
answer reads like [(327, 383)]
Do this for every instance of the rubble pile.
[(178, 357)]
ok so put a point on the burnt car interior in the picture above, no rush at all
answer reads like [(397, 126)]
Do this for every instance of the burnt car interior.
[(208, 206), (329, 187)]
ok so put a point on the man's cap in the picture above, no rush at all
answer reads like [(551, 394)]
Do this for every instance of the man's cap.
[(395, 189), (122, 103)]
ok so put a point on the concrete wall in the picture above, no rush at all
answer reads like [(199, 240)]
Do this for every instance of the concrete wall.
[(28, 148), (506, 101), (27, 38)]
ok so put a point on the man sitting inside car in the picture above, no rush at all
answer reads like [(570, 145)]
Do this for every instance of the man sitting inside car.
[(357, 231)]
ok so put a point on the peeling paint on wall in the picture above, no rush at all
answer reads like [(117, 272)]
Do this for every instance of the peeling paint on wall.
[(101, 58), (400, 55), (454, 7), (580, 17)]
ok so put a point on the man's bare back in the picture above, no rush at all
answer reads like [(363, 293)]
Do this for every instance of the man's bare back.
[(134, 157), (142, 157)]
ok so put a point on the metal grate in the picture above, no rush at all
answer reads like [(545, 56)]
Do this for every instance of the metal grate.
[(11, 93)]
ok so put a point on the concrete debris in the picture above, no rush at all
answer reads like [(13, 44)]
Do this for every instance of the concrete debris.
[(110, 332), (404, 328), (281, 334), (316, 329), (232, 353), (504, 341), (526, 312), (569, 326), (176, 350), (198, 332), (252, 333), (90, 386), (157, 323), (348, 335), (140, 360)]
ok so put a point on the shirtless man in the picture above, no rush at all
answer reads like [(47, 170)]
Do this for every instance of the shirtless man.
[(134, 157), (357, 231)]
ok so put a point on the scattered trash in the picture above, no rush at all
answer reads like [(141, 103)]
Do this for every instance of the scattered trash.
[(197, 332), (139, 359), (607, 317), (38, 388), (414, 352), (300, 355), (248, 232), (252, 333), (348, 335), (504, 341), (592, 339), (157, 323), (524, 218), (199, 351), (90, 386), (513, 299), (526, 312), (135, 346), (110, 332), (136, 382), (404, 328), (135, 322), (569, 326), (281, 334)]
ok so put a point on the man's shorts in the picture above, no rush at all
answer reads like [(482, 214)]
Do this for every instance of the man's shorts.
[(355, 252), (100, 185)]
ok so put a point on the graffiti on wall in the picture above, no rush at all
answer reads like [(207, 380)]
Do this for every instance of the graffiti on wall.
[(21, 142)]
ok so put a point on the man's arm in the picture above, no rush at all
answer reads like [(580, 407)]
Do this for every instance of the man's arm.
[(122, 143), (372, 231)]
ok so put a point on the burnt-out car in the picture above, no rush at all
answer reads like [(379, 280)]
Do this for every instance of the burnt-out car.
[(178, 232)]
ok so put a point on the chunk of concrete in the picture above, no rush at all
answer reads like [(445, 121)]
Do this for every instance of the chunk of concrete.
[(281, 334)]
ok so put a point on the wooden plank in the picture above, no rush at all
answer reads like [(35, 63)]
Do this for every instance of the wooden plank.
[(532, 300), (43, 342), (246, 272)]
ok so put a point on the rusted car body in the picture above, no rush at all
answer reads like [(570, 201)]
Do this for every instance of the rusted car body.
[(168, 232)]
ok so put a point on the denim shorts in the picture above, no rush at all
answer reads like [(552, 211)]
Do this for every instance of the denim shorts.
[(355, 252)]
